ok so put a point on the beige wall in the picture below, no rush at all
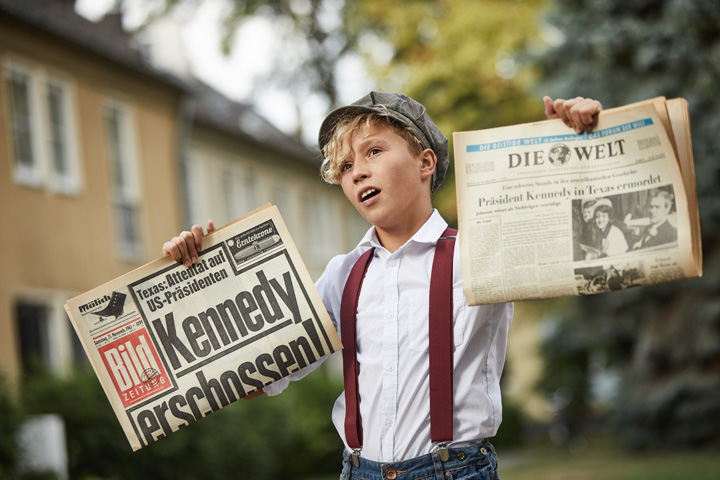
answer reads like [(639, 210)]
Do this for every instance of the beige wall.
[(56, 245)]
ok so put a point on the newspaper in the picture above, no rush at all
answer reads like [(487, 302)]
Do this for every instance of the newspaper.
[(172, 344), (544, 212)]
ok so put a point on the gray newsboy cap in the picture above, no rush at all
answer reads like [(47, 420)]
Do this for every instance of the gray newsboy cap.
[(402, 109)]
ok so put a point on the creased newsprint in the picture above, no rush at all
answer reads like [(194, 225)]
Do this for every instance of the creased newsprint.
[(172, 344), (544, 212)]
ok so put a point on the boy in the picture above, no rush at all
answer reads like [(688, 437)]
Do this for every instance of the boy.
[(388, 156)]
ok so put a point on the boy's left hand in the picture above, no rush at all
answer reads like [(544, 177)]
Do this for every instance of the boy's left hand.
[(579, 113)]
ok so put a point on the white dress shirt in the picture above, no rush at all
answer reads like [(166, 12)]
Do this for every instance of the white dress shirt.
[(392, 346)]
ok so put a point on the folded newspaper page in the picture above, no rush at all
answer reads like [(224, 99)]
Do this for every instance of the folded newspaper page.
[(544, 212), (172, 344)]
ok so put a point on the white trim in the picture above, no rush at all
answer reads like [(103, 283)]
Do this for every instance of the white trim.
[(67, 182), (195, 189)]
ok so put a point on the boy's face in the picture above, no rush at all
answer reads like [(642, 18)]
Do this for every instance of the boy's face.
[(385, 182)]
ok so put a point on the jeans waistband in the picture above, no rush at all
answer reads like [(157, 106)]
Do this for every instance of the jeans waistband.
[(425, 466)]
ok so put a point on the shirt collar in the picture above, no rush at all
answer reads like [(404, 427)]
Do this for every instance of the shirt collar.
[(430, 232)]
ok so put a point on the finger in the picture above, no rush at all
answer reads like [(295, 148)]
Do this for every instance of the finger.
[(169, 248), (576, 114), (559, 106), (584, 114), (190, 256), (198, 234), (570, 108), (549, 108), (589, 112), (210, 226), (178, 250)]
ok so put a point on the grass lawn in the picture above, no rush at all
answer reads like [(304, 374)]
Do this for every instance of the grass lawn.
[(600, 460)]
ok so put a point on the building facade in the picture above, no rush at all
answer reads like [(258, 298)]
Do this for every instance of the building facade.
[(103, 158), (87, 164)]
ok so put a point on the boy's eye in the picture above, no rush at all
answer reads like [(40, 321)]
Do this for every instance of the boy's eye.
[(373, 151), (345, 166)]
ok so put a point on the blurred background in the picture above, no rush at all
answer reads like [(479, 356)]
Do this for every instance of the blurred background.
[(125, 122)]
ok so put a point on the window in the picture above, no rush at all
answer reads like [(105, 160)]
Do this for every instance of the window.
[(193, 177), (34, 335), (320, 227), (239, 191), (60, 131), (42, 128), (45, 334), (27, 168), (123, 176), (283, 196)]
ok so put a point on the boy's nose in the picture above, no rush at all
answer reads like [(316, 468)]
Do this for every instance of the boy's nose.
[(360, 171)]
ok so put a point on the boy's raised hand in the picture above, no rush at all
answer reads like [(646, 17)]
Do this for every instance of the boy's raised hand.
[(578, 113), (185, 247)]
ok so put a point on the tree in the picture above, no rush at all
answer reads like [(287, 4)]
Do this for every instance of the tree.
[(666, 338), (455, 58)]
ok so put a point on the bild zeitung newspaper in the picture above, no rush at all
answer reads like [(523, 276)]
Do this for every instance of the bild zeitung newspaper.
[(548, 213), (172, 344)]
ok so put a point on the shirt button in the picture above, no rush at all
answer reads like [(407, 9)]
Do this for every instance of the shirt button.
[(388, 422), (390, 368), (389, 315), (391, 474)]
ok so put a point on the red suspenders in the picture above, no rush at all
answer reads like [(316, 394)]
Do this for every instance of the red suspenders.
[(440, 335)]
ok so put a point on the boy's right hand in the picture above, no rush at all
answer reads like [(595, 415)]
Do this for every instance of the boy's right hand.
[(185, 247), (578, 113)]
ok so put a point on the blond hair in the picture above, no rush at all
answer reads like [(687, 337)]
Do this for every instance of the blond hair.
[(337, 148)]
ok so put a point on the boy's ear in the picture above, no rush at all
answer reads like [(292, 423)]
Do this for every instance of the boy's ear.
[(428, 163)]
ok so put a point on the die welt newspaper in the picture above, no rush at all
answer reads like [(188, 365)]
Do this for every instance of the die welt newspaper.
[(544, 212), (172, 344)]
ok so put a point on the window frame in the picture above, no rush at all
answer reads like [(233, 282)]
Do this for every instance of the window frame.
[(125, 191), (64, 350), (40, 171)]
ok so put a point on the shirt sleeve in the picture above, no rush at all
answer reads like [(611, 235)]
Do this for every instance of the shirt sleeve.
[(278, 386)]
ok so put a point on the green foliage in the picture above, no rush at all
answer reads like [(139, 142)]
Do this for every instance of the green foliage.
[(455, 58), (283, 437), (512, 428), (621, 51), (10, 420), (313, 34), (666, 338)]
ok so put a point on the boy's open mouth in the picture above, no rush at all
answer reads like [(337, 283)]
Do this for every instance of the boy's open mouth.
[(369, 193)]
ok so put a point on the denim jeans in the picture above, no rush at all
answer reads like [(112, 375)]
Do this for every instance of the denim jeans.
[(475, 462)]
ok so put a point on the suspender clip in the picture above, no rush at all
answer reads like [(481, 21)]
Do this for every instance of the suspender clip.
[(443, 452), (356, 457)]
